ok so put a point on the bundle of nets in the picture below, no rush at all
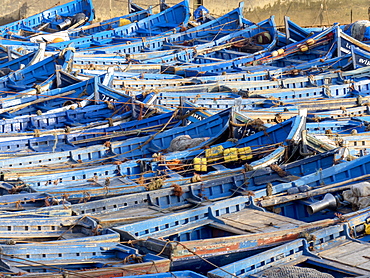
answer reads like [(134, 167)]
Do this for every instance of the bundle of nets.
[(293, 272)]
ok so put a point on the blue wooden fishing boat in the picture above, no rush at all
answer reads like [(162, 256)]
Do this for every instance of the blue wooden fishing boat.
[(346, 42), (150, 204), (347, 111), (226, 47), (74, 182), (33, 205), (210, 129), (35, 74), (245, 40), (51, 18), (338, 175), (82, 152), (76, 119), (7, 54), (23, 61), (134, 81), (60, 92), (356, 144), (91, 29), (99, 259), (220, 232), (167, 21), (180, 274), (281, 88), (338, 127), (324, 39), (208, 31), (69, 128), (360, 57), (69, 228), (329, 252), (293, 32)]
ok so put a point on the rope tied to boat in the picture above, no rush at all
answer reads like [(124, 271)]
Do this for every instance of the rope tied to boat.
[(64, 50), (38, 89), (110, 122), (258, 124), (329, 133), (312, 80), (278, 170), (327, 91), (85, 197), (15, 189), (18, 204), (140, 116), (47, 202), (10, 242), (196, 178), (309, 237), (269, 191), (36, 133), (97, 230), (183, 117), (359, 100), (151, 113), (177, 190), (110, 105), (55, 142), (278, 119), (133, 259), (83, 93), (69, 66), (154, 184), (248, 167)]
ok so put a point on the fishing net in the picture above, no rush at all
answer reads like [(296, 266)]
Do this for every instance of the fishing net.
[(358, 195), (184, 142), (360, 30), (293, 272)]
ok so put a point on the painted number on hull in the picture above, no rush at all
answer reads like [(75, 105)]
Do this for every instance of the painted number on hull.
[(106, 98)]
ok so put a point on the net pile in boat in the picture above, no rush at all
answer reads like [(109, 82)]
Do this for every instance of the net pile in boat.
[(293, 272), (358, 195), (184, 142)]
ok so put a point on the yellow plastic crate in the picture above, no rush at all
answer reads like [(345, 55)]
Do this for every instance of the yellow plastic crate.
[(245, 153), (231, 154), (214, 153), (200, 164)]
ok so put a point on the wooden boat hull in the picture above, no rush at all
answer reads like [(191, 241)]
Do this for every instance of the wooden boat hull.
[(65, 10)]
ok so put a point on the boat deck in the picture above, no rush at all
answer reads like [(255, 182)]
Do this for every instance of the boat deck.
[(350, 253), (128, 216), (255, 221)]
